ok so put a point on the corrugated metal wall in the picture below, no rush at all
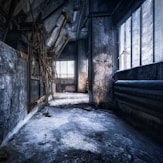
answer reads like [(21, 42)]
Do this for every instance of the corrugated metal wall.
[(141, 99)]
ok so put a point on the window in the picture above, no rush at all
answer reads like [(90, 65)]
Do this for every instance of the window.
[(121, 47), (136, 38), (65, 69), (125, 45), (147, 32), (128, 43), (158, 30), (141, 36)]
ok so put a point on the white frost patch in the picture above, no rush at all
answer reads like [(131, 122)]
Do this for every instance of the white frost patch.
[(68, 98), (88, 124), (41, 130), (78, 141)]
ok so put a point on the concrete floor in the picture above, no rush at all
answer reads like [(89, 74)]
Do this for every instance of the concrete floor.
[(80, 134), (69, 98)]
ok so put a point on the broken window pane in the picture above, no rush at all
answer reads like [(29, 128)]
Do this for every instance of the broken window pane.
[(147, 32), (136, 38), (158, 30)]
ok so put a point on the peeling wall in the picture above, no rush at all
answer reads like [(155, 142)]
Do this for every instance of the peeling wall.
[(102, 51), (13, 89)]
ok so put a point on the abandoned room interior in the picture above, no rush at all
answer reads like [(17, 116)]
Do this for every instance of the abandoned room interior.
[(81, 81)]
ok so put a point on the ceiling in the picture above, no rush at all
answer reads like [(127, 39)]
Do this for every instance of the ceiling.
[(69, 18)]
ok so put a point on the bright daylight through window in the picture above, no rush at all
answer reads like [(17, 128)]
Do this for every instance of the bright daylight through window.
[(139, 36), (65, 69)]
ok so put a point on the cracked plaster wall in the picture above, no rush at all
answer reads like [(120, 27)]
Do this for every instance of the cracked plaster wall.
[(102, 51), (13, 89)]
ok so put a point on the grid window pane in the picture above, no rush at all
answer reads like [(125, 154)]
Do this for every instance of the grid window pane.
[(70, 69), (65, 69), (136, 38), (147, 36), (158, 30), (147, 32), (125, 45), (121, 47), (128, 44), (58, 69)]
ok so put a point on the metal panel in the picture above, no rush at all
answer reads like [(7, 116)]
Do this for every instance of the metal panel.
[(147, 32), (158, 30)]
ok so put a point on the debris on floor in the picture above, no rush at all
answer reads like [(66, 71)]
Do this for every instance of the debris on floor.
[(75, 135)]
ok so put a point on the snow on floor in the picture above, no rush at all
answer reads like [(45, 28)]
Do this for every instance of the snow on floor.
[(69, 98), (80, 134)]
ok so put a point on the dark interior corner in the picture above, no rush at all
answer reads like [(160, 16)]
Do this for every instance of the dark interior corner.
[(81, 81)]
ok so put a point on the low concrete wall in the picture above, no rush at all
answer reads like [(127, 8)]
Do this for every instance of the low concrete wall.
[(13, 89)]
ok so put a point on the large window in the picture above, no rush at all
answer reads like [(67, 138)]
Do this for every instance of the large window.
[(121, 47), (147, 32), (65, 69), (125, 45), (158, 30), (141, 36), (136, 38)]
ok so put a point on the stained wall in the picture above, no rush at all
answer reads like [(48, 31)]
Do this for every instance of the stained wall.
[(13, 89)]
